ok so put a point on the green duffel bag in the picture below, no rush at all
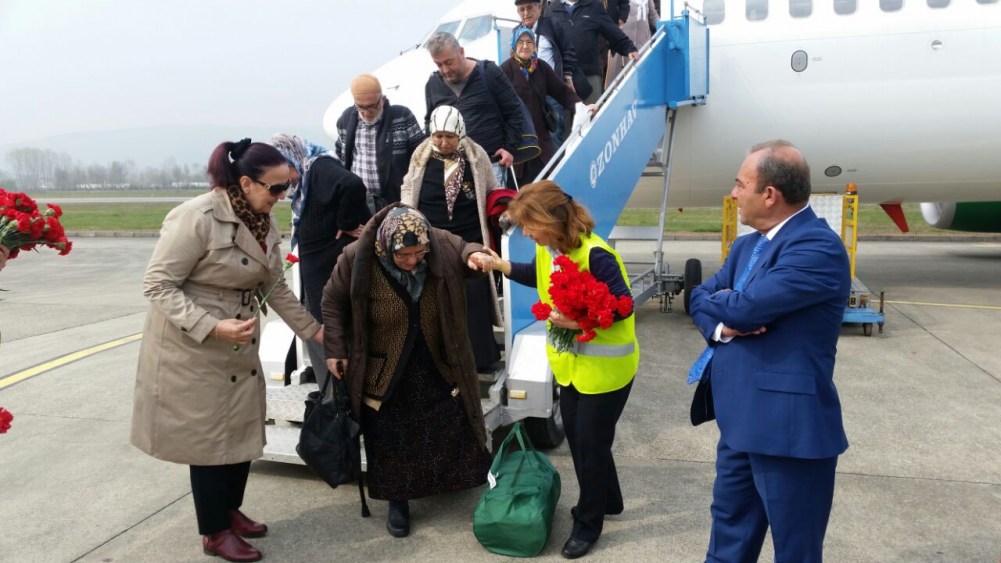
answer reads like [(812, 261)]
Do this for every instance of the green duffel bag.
[(514, 516)]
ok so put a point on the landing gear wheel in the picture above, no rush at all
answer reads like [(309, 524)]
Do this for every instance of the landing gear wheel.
[(867, 329), (547, 433), (693, 278)]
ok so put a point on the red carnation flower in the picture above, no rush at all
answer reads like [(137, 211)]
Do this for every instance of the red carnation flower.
[(5, 419), (291, 258)]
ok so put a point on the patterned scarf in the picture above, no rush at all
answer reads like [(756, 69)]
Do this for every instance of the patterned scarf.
[(403, 227), (258, 223), (455, 170)]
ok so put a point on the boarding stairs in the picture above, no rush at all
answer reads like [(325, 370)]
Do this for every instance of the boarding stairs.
[(599, 166)]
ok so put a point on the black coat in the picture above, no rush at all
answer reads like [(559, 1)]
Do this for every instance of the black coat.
[(564, 55), (618, 10), (589, 20), (335, 201)]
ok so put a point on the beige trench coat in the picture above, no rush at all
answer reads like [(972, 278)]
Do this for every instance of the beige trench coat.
[(197, 401)]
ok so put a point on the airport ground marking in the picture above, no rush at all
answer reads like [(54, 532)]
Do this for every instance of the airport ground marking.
[(67, 359), (954, 305)]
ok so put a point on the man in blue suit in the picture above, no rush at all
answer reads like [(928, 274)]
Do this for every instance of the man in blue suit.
[(771, 317)]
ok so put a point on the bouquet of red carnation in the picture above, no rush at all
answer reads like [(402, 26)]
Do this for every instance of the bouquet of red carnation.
[(23, 226), (580, 297)]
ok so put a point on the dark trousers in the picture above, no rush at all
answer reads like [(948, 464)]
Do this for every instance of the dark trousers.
[(589, 421), (755, 491), (217, 489)]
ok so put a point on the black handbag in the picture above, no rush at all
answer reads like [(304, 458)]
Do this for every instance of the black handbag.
[(329, 438)]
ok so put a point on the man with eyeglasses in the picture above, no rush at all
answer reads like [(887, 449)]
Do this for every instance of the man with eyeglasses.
[(554, 48), (375, 140)]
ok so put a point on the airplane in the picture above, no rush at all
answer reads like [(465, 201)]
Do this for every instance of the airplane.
[(896, 97)]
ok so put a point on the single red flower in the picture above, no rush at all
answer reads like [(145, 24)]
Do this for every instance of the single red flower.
[(291, 258), (541, 311), (5, 419)]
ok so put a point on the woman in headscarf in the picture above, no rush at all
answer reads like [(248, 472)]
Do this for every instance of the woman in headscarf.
[(396, 311), (329, 211), (199, 397), (533, 79), (448, 181)]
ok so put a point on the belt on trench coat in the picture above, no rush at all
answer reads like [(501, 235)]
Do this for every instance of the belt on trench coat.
[(229, 295)]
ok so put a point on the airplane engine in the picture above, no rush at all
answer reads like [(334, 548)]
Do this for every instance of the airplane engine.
[(976, 217)]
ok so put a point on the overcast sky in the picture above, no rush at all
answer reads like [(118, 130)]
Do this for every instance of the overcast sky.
[(69, 66)]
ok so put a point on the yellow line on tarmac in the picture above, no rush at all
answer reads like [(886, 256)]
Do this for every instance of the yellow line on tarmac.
[(68, 358), (956, 305)]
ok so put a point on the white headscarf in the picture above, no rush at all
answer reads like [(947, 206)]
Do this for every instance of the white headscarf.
[(447, 119)]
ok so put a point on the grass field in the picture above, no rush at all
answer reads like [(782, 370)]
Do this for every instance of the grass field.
[(149, 216)]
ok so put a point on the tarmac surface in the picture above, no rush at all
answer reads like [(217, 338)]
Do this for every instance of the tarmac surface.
[(921, 481)]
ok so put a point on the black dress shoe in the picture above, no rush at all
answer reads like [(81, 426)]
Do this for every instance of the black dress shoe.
[(575, 548), (608, 512), (398, 523)]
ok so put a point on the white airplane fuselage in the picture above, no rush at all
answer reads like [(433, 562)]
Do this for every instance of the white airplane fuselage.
[(905, 104)]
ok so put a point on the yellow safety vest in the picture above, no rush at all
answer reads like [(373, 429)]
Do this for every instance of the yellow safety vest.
[(608, 362)]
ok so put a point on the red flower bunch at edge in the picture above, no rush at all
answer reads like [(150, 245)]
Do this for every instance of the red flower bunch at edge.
[(580, 297), (23, 226), (5, 418)]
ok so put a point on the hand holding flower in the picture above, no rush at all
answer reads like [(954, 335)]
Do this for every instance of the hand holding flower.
[(4, 253), (235, 331), (290, 260)]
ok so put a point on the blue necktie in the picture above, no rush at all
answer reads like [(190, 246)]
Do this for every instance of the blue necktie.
[(569, 8), (699, 367)]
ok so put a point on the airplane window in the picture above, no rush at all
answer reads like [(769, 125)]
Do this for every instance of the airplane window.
[(714, 11), (938, 3), (890, 5), (844, 7), (800, 8), (447, 27), (756, 10), (476, 28)]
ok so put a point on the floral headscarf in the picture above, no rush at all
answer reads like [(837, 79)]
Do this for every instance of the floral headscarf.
[(300, 154), (403, 227), (448, 119), (527, 66)]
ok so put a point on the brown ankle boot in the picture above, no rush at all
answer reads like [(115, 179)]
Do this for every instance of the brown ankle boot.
[(229, 546), (246, 527)]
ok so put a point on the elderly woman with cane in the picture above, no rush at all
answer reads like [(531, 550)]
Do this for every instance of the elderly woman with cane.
[(395, 313)]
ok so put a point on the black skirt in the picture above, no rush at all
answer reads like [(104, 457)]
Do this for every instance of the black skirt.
[(420, 442)]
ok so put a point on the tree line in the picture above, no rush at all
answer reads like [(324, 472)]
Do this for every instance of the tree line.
[(33, 169)]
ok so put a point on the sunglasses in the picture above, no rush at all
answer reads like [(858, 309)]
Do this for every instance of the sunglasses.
[(276, 189)]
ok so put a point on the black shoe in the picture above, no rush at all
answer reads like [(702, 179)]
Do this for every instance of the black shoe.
[(398, 523), (575, 548), (608, 512)]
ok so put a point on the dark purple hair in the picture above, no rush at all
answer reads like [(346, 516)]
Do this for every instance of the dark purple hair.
[(230, 161)]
